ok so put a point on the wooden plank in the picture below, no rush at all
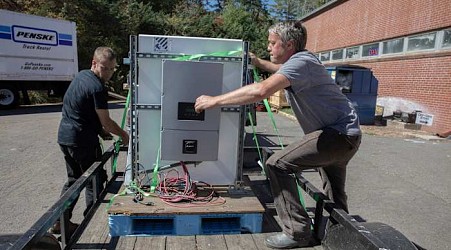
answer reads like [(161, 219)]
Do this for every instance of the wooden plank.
[(126, 243), (180, 242), (96, 234), (207, 242), (259, 240), (150, 242), (245, 202), (240, 241)]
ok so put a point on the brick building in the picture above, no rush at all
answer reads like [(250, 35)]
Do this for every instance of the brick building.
[(406, 43)]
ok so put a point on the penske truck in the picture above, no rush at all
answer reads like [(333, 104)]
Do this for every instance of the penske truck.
[(36, 53)]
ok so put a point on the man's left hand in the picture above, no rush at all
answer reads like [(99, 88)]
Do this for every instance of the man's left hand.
[(203, 102)]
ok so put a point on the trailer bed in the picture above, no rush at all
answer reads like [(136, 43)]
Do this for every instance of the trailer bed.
[(96, 234)]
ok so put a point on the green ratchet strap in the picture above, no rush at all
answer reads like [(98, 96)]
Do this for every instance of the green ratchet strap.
[(256, 141), (133, 188), (198, 56), (154, 183), (117, 144), (268, 109)]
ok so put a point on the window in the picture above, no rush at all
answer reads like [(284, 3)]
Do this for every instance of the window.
[(446, 39), (393, 46), (325, 56), (352, 52), (337, 54), (370, 49), (425, 42), (421, 42)]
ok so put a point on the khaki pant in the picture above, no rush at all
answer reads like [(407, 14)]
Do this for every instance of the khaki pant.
[(326, 150)]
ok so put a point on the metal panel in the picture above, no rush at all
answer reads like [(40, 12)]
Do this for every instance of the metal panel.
[(183, 82), (203, 145), (187, 135), (149, 55)]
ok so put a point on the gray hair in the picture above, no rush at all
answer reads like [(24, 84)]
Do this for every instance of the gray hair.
[(105, 53), (288, 31)]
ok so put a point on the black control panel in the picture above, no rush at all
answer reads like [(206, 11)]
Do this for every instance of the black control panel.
[(187, 112)]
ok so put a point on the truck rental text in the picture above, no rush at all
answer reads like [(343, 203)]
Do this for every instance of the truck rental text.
[(36, 53)]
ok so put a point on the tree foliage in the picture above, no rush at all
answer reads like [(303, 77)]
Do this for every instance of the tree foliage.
[(111, 22)]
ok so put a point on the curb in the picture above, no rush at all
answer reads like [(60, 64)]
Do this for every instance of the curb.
[(404, 133)]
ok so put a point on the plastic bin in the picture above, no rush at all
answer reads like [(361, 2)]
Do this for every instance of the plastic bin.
[(360, 86)]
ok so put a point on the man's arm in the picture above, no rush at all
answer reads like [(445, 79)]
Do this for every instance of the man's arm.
[(111, 126), (264, 64), (245, 95)]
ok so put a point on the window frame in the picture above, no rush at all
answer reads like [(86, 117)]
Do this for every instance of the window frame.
[(438, 46), (419, 35), (393, 53)]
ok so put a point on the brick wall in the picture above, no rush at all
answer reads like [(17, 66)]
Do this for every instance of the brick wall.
[(362, 21), (424, 79)]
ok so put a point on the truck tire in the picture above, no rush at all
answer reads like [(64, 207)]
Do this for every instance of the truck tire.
[(9, 97), (338, 237)]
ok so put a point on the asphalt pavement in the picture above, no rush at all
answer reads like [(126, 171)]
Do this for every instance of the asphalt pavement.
[(402, 182)]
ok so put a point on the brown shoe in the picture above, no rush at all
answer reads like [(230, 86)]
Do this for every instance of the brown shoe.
[(56, 228)]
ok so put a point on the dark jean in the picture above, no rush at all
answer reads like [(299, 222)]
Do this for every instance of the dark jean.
[(326, 150), (78, 160)]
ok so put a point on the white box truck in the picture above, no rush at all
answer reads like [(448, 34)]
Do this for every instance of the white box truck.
[(36, 53)]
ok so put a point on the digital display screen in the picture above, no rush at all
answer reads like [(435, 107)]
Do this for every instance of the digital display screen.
[(187, 112)]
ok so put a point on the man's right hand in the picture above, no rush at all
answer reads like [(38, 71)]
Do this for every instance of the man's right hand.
[(106, 136), (124, 139)]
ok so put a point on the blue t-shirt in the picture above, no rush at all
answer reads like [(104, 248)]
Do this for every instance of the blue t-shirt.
[(316, 100), (80, 125)]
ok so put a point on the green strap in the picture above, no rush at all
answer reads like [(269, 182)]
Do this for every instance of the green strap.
[(127, 103), (301, 198), (116, 195), (117, 144), (132, 188), (268, 110), (198, 56), (256, 141), (154, 183)]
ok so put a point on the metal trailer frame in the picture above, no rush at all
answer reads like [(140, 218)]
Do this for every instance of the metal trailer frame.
[(346, 230)]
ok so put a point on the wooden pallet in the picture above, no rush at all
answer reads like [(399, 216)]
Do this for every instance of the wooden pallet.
[(241, 213)]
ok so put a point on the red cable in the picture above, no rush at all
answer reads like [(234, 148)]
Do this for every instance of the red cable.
[(170, 193)]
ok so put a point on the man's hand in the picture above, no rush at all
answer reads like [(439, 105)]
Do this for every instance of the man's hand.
[(106, 136), (254, 59), (125, 138), (204, 102)]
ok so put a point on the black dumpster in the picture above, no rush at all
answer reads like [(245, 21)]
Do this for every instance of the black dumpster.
[(360, 86)]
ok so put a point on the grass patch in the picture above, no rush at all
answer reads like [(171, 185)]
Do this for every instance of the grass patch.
[(287, 110), (40, 97)]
